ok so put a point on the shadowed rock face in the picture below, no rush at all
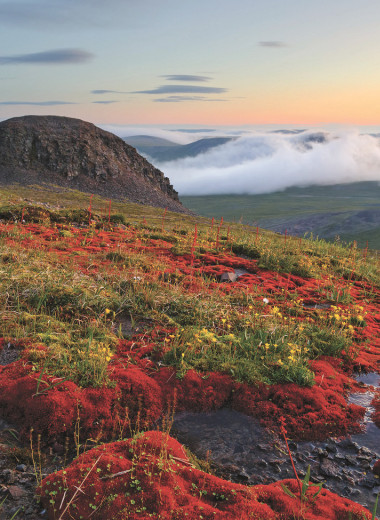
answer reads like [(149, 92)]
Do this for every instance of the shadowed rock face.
[(76, 154)]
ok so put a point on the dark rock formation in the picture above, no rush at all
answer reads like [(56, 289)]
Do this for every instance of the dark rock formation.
[(76, 154)]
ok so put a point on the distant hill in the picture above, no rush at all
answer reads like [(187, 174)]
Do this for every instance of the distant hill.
[(142, 141), (161, 150), (76, 154)]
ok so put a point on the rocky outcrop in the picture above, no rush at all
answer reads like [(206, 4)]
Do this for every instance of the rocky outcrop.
[(76, 154)]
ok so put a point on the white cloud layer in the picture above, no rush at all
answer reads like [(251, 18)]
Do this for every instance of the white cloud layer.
[(263, 163), (171, 135)]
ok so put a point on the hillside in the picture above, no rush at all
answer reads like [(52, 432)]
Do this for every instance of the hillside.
[(75, 154), (161, 150), (120, 321)]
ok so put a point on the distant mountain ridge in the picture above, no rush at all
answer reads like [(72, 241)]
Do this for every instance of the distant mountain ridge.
[(77, 154), (163, 150)]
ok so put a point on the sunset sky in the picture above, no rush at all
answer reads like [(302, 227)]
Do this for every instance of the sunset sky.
[(198, 62)]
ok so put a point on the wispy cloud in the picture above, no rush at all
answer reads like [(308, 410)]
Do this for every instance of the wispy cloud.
[(272, 43), (182, 89), (108, 92), (185, 77), (105, 102), (53, 57), (38, 103), (180, 99)]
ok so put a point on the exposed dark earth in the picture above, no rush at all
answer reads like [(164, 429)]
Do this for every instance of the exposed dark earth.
[(242, 451)]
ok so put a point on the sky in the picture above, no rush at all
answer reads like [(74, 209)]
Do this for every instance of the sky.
[(199, 62)]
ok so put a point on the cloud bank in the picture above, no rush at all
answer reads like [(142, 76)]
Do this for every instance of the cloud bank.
[(264, 163), (179, 99), (110, 102), (182, 89), (38, 103), (53, 57), (102, 91), (185, 77)]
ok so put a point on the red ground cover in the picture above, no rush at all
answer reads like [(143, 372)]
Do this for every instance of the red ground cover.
[(143, 392), (310, 413), (151, 476)]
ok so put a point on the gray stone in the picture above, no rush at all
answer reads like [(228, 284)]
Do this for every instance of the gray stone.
[(228, 277), (16, 492), (329, 469)]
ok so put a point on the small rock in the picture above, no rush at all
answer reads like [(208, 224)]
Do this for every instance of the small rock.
[(331, 448), (350, 460), (348, 444), (339, 456), (16, 492), (365, 451), (367, 458), (228, 277), (321, 452), (21, 467), (244, 475), (329, 469)]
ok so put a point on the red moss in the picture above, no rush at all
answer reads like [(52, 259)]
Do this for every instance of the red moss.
[(52, 412), (138, 393), (310, 413), (151, 475), (142, 393), (195, 392)]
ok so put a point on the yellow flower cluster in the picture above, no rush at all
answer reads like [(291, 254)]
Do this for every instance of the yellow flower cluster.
[(287, 353), (207, 335), (276, 312), (96, 352), (343, 317)]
